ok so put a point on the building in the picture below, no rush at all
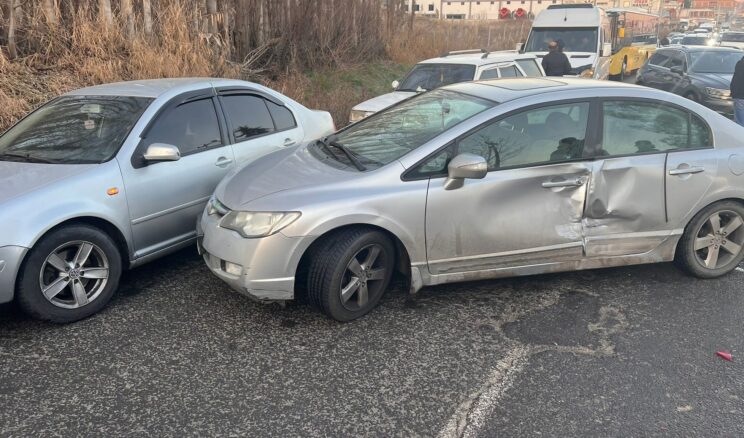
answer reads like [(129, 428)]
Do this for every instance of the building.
[(480, 9)]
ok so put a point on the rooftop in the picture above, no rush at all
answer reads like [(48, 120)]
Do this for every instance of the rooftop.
[(478, 59), (153, 87)]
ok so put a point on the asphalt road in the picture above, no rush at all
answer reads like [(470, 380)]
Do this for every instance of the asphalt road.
[(614, 352)]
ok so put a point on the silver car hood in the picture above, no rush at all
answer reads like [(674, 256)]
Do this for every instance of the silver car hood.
[(379, 103), (17, 178), (277, 172)]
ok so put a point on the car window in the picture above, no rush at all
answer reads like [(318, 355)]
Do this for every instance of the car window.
[(543, 135), (509, 72), (530, 67), (639, 127), (249, 116), (490, 74), (675, 60), (283, 118), (73, 130), (191, 127), (659, 58), (700, 135), (431, 76)]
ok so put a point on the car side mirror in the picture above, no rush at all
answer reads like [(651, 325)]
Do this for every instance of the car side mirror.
[(607, 49), (464, 166), (519, 47), (395, 85), (157, 152), (677, 70)]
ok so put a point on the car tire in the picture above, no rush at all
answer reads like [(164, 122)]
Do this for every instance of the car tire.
[(78, 267), (691, 96), (351, 262), (706, 252)]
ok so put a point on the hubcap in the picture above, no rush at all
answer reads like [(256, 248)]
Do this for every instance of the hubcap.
[(74, 274), (719, 240), (364, 271)]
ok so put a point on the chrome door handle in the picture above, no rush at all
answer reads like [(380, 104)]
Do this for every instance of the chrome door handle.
[(289, 142), (567, 183), (686, 170), (222, 162)]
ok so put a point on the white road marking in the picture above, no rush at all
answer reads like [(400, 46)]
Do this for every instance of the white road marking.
[(472, 413)]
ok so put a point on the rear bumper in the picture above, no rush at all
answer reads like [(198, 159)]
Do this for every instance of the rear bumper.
[(10, 262)]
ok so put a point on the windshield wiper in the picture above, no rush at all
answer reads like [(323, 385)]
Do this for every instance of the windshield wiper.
[(328, 149), (358, 164), (25, 158)]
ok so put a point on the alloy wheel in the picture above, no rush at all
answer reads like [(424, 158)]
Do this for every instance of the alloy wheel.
[(74, 274), (719, 239), (364, 271)]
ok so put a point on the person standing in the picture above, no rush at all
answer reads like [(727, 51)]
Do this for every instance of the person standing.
[(737, 92), (556, 63)]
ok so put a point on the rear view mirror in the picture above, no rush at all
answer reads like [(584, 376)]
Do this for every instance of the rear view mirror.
[(607, 49), (519, 47), (677, 70), (464, 166), (162, 152), (395, 84)]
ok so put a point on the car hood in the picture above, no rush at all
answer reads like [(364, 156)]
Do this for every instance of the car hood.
[(17, 178), (714, 80), (283, 170), (379, 103)]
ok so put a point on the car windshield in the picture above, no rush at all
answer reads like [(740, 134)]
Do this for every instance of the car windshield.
[(694, 41), (714, 62), (392, 133), (430, 76), (570, 39), (733, 37), (73, 130)]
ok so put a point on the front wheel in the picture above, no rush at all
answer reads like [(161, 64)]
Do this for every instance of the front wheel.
[(348, 276), (712, 243), (70, 274)]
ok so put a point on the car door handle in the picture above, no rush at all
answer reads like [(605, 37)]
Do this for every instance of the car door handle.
[(289, 142), (222, 162), (686, 170), (577, 182)]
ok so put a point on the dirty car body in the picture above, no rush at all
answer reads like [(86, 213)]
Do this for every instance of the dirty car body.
[(554, 175)]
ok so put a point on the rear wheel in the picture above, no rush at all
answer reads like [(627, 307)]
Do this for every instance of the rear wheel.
[(348, 275), (712, 243), (69, 274)]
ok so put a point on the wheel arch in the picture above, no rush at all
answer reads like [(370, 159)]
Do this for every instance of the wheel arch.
[(693, 214)]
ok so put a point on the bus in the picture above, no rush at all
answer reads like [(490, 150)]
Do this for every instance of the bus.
[(581, 30), (634, 39)]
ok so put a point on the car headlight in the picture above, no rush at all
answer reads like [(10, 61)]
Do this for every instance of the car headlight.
[(718, 93), (357, 115), (216, 207), (252, 224), (588, 73)]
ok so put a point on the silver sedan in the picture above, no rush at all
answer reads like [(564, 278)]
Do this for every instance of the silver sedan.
[(111, 177), (484, 180)]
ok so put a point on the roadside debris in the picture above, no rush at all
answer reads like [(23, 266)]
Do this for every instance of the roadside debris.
[(725, 355)]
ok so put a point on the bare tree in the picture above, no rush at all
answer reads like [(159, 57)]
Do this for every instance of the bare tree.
[(14, 10), (212, 17), (147, 16), (104, 10), (127, 16), (50, 11)]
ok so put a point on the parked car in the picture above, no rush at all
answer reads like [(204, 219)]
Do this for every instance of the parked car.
[(450, 68), (697, 40), (702, 74), (111, 177), (732, 39), (483, 180)]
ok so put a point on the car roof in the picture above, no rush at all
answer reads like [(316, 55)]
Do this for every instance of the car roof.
[(701, 49), (154, 87), (503, 90), (478, 59)]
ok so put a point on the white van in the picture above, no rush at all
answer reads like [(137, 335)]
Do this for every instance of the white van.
[(582, 30)]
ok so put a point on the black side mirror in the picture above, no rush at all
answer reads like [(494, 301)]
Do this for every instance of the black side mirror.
[(677, 70)]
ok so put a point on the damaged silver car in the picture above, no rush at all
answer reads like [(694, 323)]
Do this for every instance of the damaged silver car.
[(484, 180)]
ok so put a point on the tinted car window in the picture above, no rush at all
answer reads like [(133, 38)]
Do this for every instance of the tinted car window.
[(509, 72), (249, 116), (192, 127), (570, 39), (73, 130), (548, 134), (530, 67), (695, 40), (659, 58), (430, 76), (700, 135), (639, 128), (490, 74), (733, 37), (720, 62), (283, 118), (676, 59)]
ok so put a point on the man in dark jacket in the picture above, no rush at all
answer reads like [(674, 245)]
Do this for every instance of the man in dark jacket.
[(737, 92), (556, 63)]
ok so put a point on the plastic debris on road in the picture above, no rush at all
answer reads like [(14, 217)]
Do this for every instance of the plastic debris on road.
[(725, 355)]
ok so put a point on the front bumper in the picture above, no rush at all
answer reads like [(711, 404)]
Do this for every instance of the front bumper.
[(10, 262), (721, 106), (263, 269)]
